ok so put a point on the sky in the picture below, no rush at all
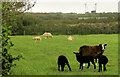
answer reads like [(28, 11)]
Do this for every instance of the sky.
[(75, 6)]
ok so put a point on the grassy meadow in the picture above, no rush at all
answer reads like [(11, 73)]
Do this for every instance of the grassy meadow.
[(40, 58)]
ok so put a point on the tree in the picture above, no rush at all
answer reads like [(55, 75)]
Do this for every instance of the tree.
[(10, 10)]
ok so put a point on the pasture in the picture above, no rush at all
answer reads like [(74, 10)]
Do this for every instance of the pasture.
[(40, 58)]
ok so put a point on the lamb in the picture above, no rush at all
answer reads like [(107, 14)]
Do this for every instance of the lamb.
[(62, 60), (37, 38), (46, 35), (70, 38), (102, 59), (92, 50), (84, 59)]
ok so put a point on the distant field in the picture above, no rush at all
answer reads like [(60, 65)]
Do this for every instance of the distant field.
[(41, 57)]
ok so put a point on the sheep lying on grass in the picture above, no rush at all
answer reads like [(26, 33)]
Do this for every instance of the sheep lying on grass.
[(62, 60), (84, 59), (102, 59), (70, 38), (46, 35), (37, 38)]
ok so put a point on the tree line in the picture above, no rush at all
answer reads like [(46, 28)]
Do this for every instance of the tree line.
[(66, 23)]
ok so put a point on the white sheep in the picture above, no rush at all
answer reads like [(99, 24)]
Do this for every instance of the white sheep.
[(46, 35), (70, 38), (37, 38)]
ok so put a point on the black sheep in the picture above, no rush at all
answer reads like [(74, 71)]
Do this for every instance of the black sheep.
[(62, 60), (102, 59), (84, 59)]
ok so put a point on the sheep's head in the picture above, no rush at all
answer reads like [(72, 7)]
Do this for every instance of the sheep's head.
[(51, 36), (33, 38), (77, 54)]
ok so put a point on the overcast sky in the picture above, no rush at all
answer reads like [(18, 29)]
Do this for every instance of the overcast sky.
[(76, 6)]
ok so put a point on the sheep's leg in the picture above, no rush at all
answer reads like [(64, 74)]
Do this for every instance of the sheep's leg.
[(100, 68), (68, 66), (93, 64), (81, 65), (104, 67), (88, 65), (62, 66), (58, 67), (96, 61)]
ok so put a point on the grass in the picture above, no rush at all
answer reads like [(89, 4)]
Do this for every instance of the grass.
[(41, 56)]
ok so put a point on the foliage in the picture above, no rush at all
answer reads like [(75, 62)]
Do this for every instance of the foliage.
[(10, 10), (67, 23)]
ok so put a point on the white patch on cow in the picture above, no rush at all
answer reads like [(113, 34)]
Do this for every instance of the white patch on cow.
[(103, 48), (84, 65)]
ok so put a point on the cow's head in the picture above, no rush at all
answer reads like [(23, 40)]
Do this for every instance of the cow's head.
[(102, 46)]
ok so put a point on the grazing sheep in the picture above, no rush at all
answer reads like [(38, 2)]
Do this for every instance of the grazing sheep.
[(84, 59), (46, 35), (70, 38), (37, 38), (92, 50), (102, 59), (62, 60)]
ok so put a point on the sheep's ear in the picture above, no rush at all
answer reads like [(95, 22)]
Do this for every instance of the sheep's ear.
[(75, 53), (100, 44), (105, 44)]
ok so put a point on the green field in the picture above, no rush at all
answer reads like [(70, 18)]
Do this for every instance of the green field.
[(40, 58)]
